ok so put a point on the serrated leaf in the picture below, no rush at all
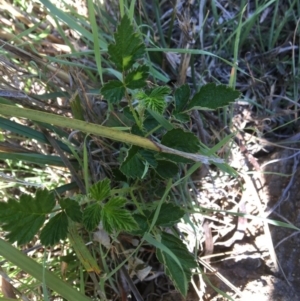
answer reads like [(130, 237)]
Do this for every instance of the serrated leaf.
[(23, 219), (100, 190), (143, 224), (181, 140), (128, 47), (72, 209), (115, 218), (155, 98), (182, 95), (169, 215), (180, 278), (113, 91), (212, 97), (136, 78), (166, 169), (92, 216), (149, 157), (55, 230), (133, 165)]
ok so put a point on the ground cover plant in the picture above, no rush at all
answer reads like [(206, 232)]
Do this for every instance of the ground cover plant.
[(107, 136)]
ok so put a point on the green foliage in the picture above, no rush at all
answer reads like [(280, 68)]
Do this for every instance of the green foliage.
[(182, 96), (22, 219), (133, 165), (181, 140), (166, 169), (146, 111), (136, 79), (100, 190), (55, 230), (72, 209), (126, 54), (115, 217), (128, 47), (180, 274), (212, 97), (154, 99), (113, 91), (92, 216), (169, 215), (112, 213)]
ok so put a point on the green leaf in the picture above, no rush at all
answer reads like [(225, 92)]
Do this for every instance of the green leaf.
[(182, 96), (113, 91), (182, 117), (23, 219), (133, 165), (143, 224), (149, 157), (166, 169), (115, 217), (212, 97), (72, 209), (169, 215), (155, 98), (128, 47), (100, 190), (181, 140), (180, 278), (136, 78), (92, 216), (55, 230)]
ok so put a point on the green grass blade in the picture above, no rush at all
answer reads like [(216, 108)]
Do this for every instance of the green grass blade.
[(28, 132), (37, 271), (71, 22), (95, 32), (33, 158)]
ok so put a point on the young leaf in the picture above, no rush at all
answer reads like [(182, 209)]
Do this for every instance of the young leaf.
[(72, 209), (133, 165), (55, 230), (100, 190), (136, 78), (180, 278), (155, 99), (92, 216), (115, 217), (212, 97), (166, 169), (22, 219), (128, 47), (182, 95), (169, 215), (113, 91), (181, 140)]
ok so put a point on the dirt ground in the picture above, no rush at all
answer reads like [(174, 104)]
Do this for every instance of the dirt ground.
[(252, 268)]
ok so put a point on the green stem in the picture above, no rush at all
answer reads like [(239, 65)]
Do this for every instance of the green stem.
[(100, 130), (79, 125)]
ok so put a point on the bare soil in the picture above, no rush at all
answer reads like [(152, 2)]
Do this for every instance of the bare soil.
[(252, 267)]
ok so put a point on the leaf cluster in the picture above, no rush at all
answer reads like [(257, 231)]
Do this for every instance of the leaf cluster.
[(22, 219)]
